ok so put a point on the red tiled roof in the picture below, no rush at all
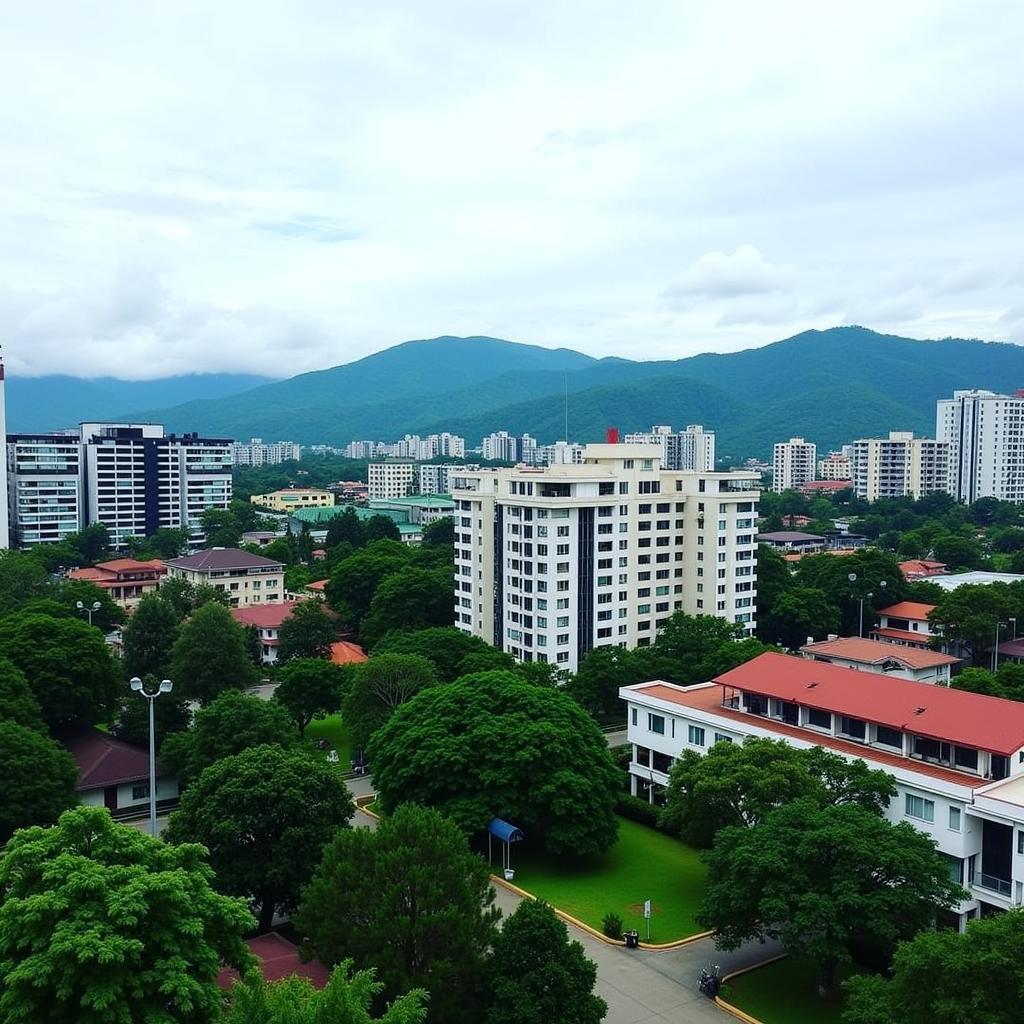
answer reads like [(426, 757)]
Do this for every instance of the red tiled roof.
[(91, 574), (957, 716), (708, 698), (345, 653), (317, 585), (904, 635), (922, 567), (104, 760), (908, 610), (264, 616), (827, 485), (278, 959), (875, 652)]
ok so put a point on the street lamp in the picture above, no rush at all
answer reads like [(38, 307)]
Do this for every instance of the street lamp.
[(995, 649), (165, 687), (1013, 624), (88, 609)]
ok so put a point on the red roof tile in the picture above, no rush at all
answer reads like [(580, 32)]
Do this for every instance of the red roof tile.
[(906, 636), (908, 610), (875, 652), (104, 760), (264, 616), (278, 959), (345, 653), (956, 716)]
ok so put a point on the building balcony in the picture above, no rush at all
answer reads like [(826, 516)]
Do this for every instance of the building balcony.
[(992, 884)]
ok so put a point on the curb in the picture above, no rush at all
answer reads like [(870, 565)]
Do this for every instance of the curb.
[(735, 1011), (577, 923)]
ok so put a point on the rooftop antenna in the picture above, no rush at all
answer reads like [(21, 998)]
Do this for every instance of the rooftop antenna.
[(567, 407)]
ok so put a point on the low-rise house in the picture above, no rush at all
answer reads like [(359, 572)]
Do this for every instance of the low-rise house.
[(246, 578), (906, 623), (922, 569), (792, 540), (266, 619), (957, 757), (261, 538), (115, 775), (126, 580), (290, 498), (904, 662), (345, 652)]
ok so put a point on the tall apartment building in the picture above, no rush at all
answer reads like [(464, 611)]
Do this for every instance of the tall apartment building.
[(550, 563), (255, 453), (391, 479), (985, 432), (898, 466), (435, 478), (500, 446), (793, 464), (5, 536), (691, 449), (132, 477), (560, 453), (835, 466)]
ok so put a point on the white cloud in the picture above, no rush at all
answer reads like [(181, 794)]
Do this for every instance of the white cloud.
[(272, 187)]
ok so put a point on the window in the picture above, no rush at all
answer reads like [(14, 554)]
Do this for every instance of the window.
[(954, 819), (888, 737), (632, 716), (1020, 841), (656, 723), (140, 792), (695, 734), (965, 757), (918, 807), (854, 727), (720, 737)]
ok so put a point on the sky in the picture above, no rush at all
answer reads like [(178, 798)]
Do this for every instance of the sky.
[(277, 187)]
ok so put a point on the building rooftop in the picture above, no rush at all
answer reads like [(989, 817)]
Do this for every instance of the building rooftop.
[(264, 616), (922, 567), (221, 559), (908, 610), (877, 652), (103, 760), (789, 537), (976, 576), (416, 501), (938, 712), (903, 635), (345, 653), (117, 566), (278, 958)]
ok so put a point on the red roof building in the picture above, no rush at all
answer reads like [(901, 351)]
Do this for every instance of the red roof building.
[(126, 580), (346, 653), (922, 568), (278, 958), (921, 664), (906, 624), (267, 620), (813, 487)]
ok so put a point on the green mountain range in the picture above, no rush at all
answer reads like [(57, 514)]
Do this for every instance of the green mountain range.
[(829, 386)]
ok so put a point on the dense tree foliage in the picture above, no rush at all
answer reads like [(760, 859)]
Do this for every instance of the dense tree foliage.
[(210, 655), (37, 781), (265, 815), (815, 877), (72, 592), (354, 581), (149, 637), (310, 688), (17, 701), (170, 715), (446, 646), (536, 975), (22, 577), (307, 633), (493, 745), (968, 617), (411, 598), (440, 533), (944, 977), (359, 906), (102, 924), (378, 687)]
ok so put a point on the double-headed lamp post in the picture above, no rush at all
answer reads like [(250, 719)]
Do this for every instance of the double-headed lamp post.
[(995, 649), (165, 687), (852, 577), (88, 609)]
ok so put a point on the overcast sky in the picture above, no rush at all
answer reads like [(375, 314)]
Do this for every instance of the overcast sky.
[(277, 187)]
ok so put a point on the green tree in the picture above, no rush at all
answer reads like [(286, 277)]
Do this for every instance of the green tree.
[(67, 664), (741, 784), (440, 533), (491, 745), (346, 999), (815, 877), (968, 616), (948, 978), (379, 686), (774, 578), (346, 527), (446, 646), (411, 598), (310, 688), (958, 552), (265, 815), (167, 542), (92, 544), (149, 637), (105, 618), (230, 723), (381, 528), (360, 903), (600, 675), (306, 633), (22, 577), (210, 655), (222, 527), (37, 782), (102, 924), (170, 716), (797, 614), (354, 580), (536, 975), (17, 701)]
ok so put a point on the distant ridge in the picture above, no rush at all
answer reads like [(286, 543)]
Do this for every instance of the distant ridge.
[(830, 386)]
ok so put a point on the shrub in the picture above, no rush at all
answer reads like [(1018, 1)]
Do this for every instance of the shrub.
[(611, 925), (638, 810)]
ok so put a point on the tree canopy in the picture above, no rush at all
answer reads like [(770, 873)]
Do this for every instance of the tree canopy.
[(306, 633), (354, 581), (102, 924), (17, 701), (411, 598), (446, 646), (265, 815), (310, 688), (359, 906), (493, 745), (378, 687), (38, 778), (149, 636), (210, 655)]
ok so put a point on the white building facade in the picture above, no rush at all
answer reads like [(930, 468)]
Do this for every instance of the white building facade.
[(835, 466), (550, 563), (793, 464), (691, 449), (957, 757), (900, 465), (5, 529), (391, 479), (255, 453), (435, 478), (985, 432)]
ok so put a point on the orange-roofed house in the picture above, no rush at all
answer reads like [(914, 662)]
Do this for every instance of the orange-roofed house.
[(906, 623), (126, 580), (922, 568), (266, 619), (920, 664), (957, 758), (346, 653)]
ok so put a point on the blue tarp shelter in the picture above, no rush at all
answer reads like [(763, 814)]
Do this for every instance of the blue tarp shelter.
[(507, 834)]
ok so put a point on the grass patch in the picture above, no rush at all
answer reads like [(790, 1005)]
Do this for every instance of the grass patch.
[(334, 730), (786, 992), (643, 864)]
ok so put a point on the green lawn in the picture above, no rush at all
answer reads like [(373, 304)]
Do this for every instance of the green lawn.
[(333, 730), (643, 864), (785, 992)]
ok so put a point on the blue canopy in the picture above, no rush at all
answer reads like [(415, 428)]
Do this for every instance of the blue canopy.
[(504, 831)]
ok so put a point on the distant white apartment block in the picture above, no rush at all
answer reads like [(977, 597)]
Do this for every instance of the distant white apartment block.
[(500, 446), (690, 449), (132, 477), (5, 533), (391, 479), (793, 464), (835, 466), (435, 478), (560, 453), (899, 466), (985, 433), (256, 453), (550, 563), (412, 446)]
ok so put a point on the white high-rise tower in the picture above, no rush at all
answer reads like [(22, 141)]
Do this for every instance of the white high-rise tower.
[(5, 537)]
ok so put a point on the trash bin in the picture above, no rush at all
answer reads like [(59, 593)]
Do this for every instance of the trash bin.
[(632, 939), (510, 873)]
